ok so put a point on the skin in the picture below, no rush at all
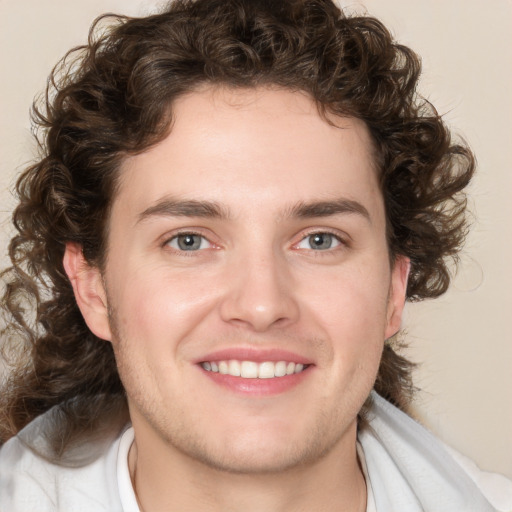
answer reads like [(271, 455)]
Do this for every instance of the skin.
[(256, 282)]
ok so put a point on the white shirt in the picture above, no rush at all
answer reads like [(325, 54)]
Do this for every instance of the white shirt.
[(28, 483)]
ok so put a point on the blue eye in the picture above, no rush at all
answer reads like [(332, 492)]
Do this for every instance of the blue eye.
[(189, 242), (319, 242)]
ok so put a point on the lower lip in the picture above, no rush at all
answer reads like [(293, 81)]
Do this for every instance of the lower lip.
[(258, 387)]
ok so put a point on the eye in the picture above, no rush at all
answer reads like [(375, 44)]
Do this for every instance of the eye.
[(189, 242), (319, 242)]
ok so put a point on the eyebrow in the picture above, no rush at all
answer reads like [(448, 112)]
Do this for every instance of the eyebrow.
[(170, 207), (184, 208), (327, 208)]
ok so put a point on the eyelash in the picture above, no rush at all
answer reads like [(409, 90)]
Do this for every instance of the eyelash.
[(176, 236), (341, 241)]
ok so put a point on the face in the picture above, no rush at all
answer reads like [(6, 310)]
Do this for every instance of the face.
[(248, 286)]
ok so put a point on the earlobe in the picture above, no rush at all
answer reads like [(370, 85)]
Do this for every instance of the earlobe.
[(397, 294), (89, 290)]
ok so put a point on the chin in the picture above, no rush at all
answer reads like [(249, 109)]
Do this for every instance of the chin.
[(256, 462), (264, 453)]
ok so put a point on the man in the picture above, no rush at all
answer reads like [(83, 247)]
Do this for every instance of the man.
[(236, 200)]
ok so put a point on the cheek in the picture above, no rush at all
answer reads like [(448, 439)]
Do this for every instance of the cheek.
[(352, 313), (155, 305), (352, 300)]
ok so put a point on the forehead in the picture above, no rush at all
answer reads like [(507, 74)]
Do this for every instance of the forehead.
[(269, 147)]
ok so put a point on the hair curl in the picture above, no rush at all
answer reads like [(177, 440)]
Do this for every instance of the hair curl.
[(113, 97)]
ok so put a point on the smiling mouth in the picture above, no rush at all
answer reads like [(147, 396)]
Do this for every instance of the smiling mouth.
[(252, 369)]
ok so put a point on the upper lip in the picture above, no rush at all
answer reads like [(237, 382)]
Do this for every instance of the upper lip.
[(253, 354)]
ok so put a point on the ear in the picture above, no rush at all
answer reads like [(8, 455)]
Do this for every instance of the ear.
[(89, 290), (397, 294)]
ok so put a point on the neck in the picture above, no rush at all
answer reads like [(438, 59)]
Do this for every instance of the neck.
[(177, 482)]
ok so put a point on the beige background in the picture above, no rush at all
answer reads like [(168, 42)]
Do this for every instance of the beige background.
[(463, 340)]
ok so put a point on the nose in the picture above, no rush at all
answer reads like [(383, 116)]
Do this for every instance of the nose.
[(260, 294)]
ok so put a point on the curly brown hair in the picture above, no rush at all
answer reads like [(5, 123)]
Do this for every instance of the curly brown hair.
[(113, 98)]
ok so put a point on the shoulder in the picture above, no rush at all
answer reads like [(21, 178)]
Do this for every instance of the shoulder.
[(25, 481), (28, 481), (407, 463), (497, 488)]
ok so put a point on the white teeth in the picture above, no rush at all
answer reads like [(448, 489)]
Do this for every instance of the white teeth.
[(266, 370), (234, 368), (253, 370), (249, 370), (280, 369)]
